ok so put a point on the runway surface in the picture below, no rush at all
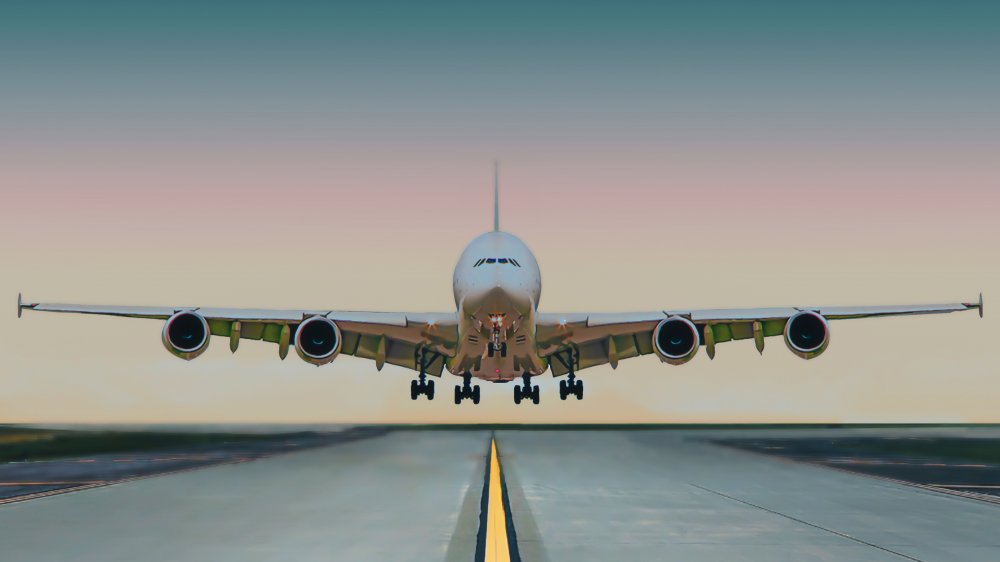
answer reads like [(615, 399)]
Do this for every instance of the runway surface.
[(570, 495)]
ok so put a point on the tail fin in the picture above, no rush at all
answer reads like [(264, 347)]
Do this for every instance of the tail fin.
[(496, 196)]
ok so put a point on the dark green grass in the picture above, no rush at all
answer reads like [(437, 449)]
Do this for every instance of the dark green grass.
[(665, 426), (29, 444), (951, 448)]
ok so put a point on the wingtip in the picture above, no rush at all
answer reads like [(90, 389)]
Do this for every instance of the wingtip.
[(19, 305), (980, 304)]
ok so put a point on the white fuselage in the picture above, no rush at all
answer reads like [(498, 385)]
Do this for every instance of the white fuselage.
[(497, 287)]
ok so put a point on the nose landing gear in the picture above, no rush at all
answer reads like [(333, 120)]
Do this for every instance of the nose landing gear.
[(466, 390), (526, 391), (496, 342)]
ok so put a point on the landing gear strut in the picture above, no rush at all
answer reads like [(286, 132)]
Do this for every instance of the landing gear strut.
[(466, 390), (570, 385), (496, 345), (421, 385), (526, 391)]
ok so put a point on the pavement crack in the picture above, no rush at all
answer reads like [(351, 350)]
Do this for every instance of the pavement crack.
[(807, 523)]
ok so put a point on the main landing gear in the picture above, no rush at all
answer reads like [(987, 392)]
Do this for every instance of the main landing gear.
[(569, 385), (421, 385), (466, 390), (526, 391)]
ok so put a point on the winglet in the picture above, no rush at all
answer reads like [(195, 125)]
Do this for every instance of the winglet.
[(977, 305), (19, 306), (496, 196)]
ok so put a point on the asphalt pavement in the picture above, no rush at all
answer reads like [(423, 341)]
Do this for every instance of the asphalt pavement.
[(418, 494)]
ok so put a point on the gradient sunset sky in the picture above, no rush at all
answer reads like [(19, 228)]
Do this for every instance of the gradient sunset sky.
[(654, 155)]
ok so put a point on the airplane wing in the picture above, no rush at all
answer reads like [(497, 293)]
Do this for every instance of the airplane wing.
[(599, 338), (397, 338)]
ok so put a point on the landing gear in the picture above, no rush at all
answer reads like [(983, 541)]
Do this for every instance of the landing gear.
[(496, 343), (492, 348), (526, 391), (421, 385), (466, 390), (570, 385)]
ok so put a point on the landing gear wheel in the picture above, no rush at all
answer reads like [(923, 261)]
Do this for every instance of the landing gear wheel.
[(525, 391), (430, 390), (414, 390), (503, 349), (563, 392), (475, 394), (579, 390), (458, 394)]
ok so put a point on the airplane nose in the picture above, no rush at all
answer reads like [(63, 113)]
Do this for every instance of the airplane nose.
[(498, 297)]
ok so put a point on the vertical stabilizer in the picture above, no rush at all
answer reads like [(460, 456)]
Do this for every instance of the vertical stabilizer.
[(496, 196)]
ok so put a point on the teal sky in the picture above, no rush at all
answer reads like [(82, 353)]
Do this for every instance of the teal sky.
[(572, 72)]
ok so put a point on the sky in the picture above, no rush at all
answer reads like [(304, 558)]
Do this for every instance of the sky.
[(654, 155)]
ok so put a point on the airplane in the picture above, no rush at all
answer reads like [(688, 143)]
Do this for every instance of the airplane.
[(497, 332)]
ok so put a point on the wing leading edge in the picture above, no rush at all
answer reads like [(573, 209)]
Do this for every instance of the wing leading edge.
[(396, 338), (600, 338)]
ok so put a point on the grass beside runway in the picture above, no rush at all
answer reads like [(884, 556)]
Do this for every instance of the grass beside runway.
[(950, 448), (18, 444), (968, 464)]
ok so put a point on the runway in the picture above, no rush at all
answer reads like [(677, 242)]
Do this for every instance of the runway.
[(416, 494)]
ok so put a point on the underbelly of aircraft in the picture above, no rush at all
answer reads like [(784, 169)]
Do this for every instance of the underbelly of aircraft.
[(502, 368)]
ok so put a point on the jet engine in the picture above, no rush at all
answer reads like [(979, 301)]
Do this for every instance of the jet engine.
[(675, 340), (807, 334), (186, 334), (317, 340)]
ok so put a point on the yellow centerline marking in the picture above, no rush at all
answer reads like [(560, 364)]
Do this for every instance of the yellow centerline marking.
[(54, 483), (497, 548)]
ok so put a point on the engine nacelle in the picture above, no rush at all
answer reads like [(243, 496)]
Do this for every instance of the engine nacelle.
[(186, 334), (675, 340), (317, 340), (807, 334)]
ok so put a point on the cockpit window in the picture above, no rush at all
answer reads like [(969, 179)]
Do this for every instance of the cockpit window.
[(510, 261)]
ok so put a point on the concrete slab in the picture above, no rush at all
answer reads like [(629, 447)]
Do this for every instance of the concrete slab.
[(394, 497), (666, 495)]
